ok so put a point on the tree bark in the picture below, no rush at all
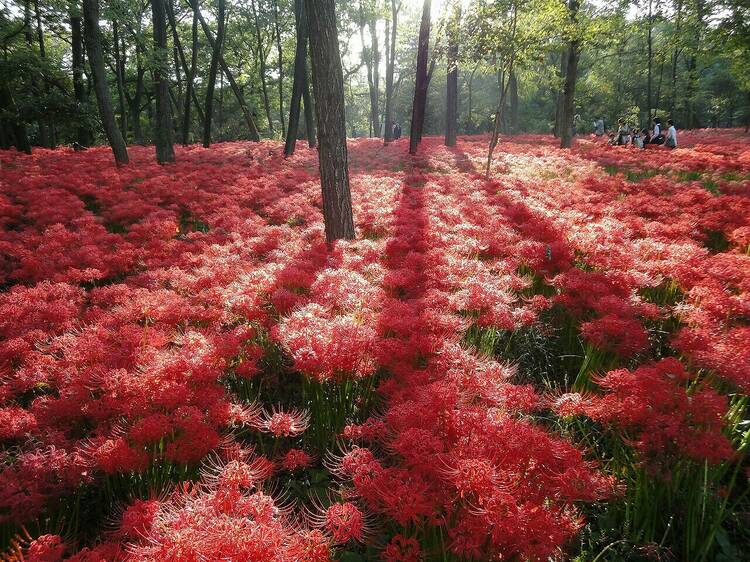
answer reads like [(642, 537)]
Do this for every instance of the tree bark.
[(451, 110), (51, 142), (120, 76), (190, 78), (328, 88), (420, 85), (215, 55), (79, 91), (307, 101), (650, 45), (389, 71), (96, 61), (569, 88), (281, 65), (262, 67), (557, 131), (254, 136), (513, 87), (14, 123), (164, 126), (300, 76)]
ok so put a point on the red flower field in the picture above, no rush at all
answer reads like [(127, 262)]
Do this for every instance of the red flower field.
[(490, 371)]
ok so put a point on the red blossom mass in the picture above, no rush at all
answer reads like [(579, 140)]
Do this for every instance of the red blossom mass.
[(145, 309)]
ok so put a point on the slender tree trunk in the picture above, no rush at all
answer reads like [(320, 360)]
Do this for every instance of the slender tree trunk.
[(281, 65), (569, 89), (50, 140), (254, 136), (262, 65), (650, 43), (300, 76), (79, 91), (120, 76), (513, 93), (328, 87), (451, 111), (420, 86), (164, 126), (307, 101), (136, 101), (190, 77), (96, 61), (29, 36), (374, 76), (389, 71), (215, 56), (557, 131)]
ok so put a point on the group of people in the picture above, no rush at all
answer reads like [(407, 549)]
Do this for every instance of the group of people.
[(627, 135)]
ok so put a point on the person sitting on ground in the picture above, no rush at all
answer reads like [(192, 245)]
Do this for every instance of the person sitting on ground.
[(623, 133), (646, 137), (671, 138), (657, 137), (637, 140)]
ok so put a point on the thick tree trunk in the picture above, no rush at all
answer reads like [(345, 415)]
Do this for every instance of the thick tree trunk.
[(300, 76), (419, 103), (281, 65), (120, 75), (96, 61), (13, 124), (328, 87), (215, 56), (254, 136), (389, 71), (83, 138), (569, 88), (164, 126)]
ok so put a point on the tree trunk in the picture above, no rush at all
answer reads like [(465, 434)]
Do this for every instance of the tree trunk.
[(262, 67), (328, 87), (164, 126), (50, 140), (513, 86), (650, 44), (281, 65), (135, 102), (420, 85), (451, 111), (300, 76), (215, 56), (82, 131), (374, 76), (96, 61), (389, 70), (120, 75), (557, 131), (569, 89), (307, 101), (14, 123), (190, 78), (254, 136)]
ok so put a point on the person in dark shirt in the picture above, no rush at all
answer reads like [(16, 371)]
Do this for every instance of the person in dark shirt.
[(396, 130)]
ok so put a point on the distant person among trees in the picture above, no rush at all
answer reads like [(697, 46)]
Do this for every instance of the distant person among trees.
[(646, 137), (396, 129), (599, 127), (671, 138)]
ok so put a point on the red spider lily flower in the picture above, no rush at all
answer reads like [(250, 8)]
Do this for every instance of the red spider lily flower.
[(282, 423)]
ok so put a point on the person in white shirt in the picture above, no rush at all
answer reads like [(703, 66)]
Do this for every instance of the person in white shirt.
[(657, 137), (671, 139)]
